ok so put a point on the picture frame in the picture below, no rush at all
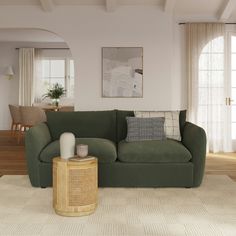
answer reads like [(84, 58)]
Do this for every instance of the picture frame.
[(122, 72)]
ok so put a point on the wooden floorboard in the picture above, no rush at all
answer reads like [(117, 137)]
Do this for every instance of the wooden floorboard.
[(12, 155), (12, 159)]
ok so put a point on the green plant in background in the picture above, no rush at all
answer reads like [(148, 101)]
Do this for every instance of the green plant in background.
[(55, 93)]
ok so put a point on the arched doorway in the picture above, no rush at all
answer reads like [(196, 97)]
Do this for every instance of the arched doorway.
[(217, 92), (53, 64)]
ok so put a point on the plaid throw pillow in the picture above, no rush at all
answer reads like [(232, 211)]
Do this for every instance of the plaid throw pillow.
[(171, 125), (140, 129)]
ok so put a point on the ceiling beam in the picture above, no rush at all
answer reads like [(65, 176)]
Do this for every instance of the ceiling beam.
[(169, 6), (227, 10), (111, 5), (47, 5)]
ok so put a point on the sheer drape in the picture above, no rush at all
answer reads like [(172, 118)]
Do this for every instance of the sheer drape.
[(26, 76), (38, 74), (206, 89)]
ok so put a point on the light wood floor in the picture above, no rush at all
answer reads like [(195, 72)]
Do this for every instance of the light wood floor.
[(12, 159), (221, 164)]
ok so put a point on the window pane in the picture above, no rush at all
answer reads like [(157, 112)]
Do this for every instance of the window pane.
[(233, 79), (203, 78), (233, 130), (45, 86), (72, 73), (211, 96), (218, 45), (217, 78), (233, 62), (233, 113), (202, 114), (71, 88), (215, 46), (204, 62), (211, 78), (45, 68), (233, 44), (211, 61), (58, 68), (233, 95), (203, 94), (60, 81), (217, 62)]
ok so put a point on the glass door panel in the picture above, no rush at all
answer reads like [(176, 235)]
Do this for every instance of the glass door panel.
[(232, 89)]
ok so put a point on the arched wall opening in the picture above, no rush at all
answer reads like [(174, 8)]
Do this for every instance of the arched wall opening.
[(54, 64)]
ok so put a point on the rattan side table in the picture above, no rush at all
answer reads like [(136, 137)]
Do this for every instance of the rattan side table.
[(75, 187)]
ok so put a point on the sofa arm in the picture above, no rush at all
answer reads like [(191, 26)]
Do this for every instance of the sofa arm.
[(36, 139), (194, 139)]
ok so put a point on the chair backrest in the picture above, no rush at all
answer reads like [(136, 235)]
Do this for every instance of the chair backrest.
[(67, 108), (15, 113), (31, 116)]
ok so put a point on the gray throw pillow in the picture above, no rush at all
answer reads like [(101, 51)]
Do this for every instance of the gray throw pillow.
[(140, 129)]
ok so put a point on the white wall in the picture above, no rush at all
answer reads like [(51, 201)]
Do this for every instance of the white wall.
[(8, 88), (87, 29)]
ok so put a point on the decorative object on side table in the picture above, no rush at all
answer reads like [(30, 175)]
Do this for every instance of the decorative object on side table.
[(55, 93), (82, 150), (75, 186), (67, 145)]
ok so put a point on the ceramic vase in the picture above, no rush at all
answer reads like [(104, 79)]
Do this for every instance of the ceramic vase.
[(67, 145)]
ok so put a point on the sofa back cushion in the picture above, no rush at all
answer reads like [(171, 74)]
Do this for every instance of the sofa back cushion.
[(83, 124), (182, 120), (122, 123)]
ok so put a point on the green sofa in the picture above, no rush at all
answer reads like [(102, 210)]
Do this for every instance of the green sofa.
[(166, 163)]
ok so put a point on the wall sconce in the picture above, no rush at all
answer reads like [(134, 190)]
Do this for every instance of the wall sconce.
[(9, 72)]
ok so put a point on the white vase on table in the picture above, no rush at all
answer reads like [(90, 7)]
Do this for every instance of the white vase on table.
[(67, 145)]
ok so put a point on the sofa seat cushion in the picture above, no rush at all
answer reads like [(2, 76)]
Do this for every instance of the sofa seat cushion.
[(153, 151), (103, 149)]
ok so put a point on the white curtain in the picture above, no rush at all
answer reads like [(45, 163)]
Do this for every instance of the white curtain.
[(206, 82), (26, 76), (38, 73)]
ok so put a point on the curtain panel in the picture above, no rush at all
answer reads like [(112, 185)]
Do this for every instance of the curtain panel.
[(26, 76), (206, 89)]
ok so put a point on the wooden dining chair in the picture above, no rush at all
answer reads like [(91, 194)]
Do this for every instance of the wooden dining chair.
[(16, 118), (30, 116)]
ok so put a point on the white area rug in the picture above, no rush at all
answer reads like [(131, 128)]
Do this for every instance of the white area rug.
[(207, 210)]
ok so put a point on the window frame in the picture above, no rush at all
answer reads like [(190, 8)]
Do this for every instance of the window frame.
[(67, 76)]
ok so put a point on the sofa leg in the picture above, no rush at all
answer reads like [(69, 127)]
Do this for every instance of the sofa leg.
[(43, 187), (188, 187)]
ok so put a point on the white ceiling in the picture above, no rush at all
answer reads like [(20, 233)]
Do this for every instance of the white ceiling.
[(81, 2), (198, 10), (28, 35)]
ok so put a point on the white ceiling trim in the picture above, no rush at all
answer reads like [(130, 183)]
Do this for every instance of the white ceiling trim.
[(169, 6), (227, 10), (111, 5), (47, 5)]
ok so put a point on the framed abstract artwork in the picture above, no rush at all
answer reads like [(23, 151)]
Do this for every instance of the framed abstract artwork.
[(122, 72)]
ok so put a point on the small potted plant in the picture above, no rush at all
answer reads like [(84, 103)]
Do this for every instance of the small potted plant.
[(55, 93)]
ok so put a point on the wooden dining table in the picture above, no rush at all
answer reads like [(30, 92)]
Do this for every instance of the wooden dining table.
[(49, 107)]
